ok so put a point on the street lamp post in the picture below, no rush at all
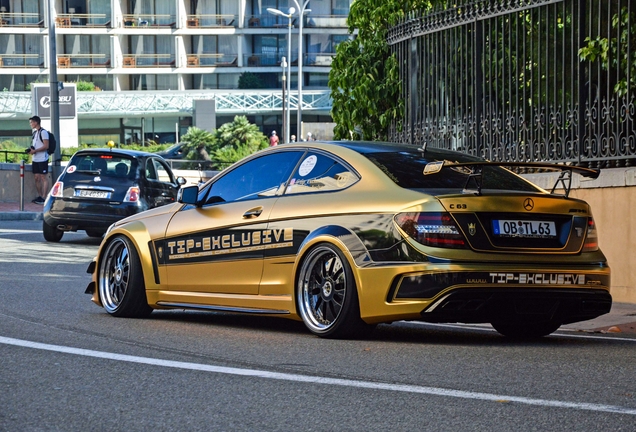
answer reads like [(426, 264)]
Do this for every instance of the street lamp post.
[(301, 15), (283, 64), (286, 131)]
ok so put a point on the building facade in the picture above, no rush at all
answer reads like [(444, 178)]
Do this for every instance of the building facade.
[(141, 47)]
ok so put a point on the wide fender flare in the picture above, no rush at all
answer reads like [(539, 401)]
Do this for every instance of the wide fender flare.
[(139, 236), (345, 240)]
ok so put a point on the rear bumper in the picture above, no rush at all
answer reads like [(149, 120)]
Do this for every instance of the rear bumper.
[(484, 293), (519, 306), (86, 215)]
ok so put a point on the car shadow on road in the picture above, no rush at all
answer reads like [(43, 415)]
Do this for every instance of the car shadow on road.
[(403, 332)]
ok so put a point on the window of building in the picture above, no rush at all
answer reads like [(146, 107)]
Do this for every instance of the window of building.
[(102, 82), (87, 50), (154, 82), (152, 50), (22, 50), (215, 50), (20, 82), (151, 12), (340, 7)]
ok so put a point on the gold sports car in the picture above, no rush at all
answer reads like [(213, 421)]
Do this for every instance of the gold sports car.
[(345, 235)]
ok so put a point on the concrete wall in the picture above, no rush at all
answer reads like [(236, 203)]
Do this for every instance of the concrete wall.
[(612, 197), (10, 183), (613, 200)]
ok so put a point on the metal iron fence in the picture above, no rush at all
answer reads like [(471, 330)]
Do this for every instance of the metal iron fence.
[(521, 80)]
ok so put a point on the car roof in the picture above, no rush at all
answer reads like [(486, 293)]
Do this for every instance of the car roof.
[(370, 147), (117, 151)]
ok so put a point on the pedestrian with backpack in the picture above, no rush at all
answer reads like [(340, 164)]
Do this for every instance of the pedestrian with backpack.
[(40, 162)]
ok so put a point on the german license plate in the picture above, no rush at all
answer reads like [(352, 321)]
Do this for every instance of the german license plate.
[(87, 193), (524, 228)]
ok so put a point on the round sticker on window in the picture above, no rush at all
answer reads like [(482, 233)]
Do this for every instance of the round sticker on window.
[(71, 169), (307, 166)]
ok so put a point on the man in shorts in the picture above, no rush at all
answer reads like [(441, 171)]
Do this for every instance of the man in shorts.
[(40, 161)]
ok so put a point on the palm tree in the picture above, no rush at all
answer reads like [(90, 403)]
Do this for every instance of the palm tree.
[(238, 139), (198, 142)]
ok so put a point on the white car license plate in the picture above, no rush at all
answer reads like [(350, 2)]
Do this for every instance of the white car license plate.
[(524, 228), (87, 193)]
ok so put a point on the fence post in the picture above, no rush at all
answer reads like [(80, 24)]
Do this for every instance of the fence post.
[(582, 77), (21, 185)]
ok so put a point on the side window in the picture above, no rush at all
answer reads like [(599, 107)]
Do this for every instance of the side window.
[(163, 174), (320, 173), (261, 177), (151, 173)]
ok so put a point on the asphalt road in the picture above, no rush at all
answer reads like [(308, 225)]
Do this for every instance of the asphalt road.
[(65, 365)]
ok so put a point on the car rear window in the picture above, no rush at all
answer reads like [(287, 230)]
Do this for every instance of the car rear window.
[(105, 165), (406, 170)]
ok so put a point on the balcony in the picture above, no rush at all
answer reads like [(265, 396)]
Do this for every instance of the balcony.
[(22, 60), (9, 19), (272, 59), (149, 21), (325, 21), (83, 61), (149, 60), (318, 21), (211, 21), (212, 60), (318, 59), (82, 20)]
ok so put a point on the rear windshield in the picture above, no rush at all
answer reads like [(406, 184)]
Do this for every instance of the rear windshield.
[(406, 170), (104, 165)]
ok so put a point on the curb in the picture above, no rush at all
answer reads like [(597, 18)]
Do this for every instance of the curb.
[(20, 215)]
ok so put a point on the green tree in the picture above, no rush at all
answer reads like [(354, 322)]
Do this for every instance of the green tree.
[(617, 52), (200, 143), (364, 78), (235, 140)]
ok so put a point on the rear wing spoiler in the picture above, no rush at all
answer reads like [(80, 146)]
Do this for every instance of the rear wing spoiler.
[(476, 170)]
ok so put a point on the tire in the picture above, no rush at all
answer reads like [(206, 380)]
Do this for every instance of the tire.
[(326, 295), (526, 330), (120, 280), (94, 233), (51, 233)]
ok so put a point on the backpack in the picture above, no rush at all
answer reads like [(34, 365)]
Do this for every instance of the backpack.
[(52, 142)]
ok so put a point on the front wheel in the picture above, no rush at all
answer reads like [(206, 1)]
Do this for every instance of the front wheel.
[(526, 330), (121, 281), (326, 295), (51, 233)]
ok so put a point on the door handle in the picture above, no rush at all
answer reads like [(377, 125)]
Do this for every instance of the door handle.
[(255, 212)]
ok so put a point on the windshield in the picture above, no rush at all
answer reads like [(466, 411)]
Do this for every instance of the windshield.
[(406, 170), (103, 164)]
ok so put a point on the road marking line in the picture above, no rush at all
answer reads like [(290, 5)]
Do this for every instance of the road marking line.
[(433, 391), (491, 330)]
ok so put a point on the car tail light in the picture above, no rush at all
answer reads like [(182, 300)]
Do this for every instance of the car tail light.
[(57, 190), (591, 238), (432, 229), (132, 195)]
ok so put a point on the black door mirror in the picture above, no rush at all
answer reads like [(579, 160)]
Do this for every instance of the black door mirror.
[(188, 195)]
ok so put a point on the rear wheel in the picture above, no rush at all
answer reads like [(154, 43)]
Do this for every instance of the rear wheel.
[(326, 295), (51, 233), (526, 330), (120, 280)]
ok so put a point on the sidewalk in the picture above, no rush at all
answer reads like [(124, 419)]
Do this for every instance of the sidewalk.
[(11, 211), (621, 319)]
